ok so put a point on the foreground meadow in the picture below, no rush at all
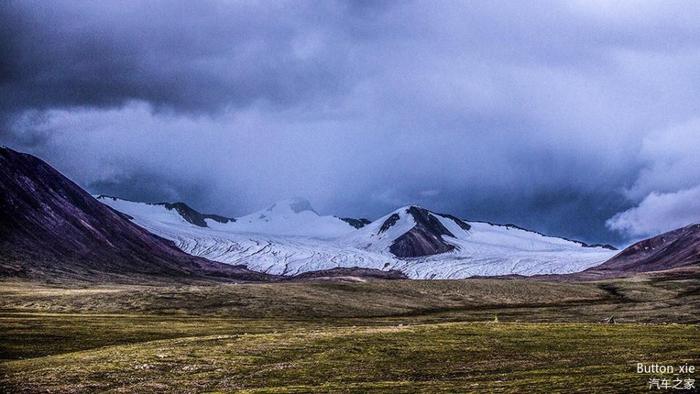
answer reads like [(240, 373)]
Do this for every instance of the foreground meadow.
[(383, 336)]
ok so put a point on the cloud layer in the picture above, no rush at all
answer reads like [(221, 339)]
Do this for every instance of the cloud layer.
[(668, 185), (660, 212), (561, 116)]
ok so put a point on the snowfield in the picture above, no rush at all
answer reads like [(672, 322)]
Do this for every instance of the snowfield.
[(291, 238)]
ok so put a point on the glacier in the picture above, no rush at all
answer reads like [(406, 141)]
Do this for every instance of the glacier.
[(290, 238)]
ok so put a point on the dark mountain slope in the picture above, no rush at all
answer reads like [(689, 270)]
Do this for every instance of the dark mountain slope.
[(194, 216), (425, 238), (51, 228), (675, 249), (357, 223), (188, 213)]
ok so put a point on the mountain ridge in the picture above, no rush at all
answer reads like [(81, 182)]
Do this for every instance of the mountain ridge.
[(52, 228), (188, 213), (414, 240), (675, 249)]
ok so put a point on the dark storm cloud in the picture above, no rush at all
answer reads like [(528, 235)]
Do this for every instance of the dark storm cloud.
[(566, 117), (189, 56)]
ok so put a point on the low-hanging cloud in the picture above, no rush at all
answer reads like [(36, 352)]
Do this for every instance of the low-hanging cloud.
[(658, 213), (557, 116), (668, 186)]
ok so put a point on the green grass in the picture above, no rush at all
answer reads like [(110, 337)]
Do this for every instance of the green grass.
[(445, 357), (405, 336)]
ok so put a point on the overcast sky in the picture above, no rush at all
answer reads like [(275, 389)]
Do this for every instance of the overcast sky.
[(576, 118)]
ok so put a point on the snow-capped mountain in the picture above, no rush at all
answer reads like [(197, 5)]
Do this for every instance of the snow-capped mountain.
[(294, 217), (289, 238), (410, 231)]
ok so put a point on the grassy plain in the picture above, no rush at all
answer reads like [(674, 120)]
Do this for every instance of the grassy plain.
[(378, 336)]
